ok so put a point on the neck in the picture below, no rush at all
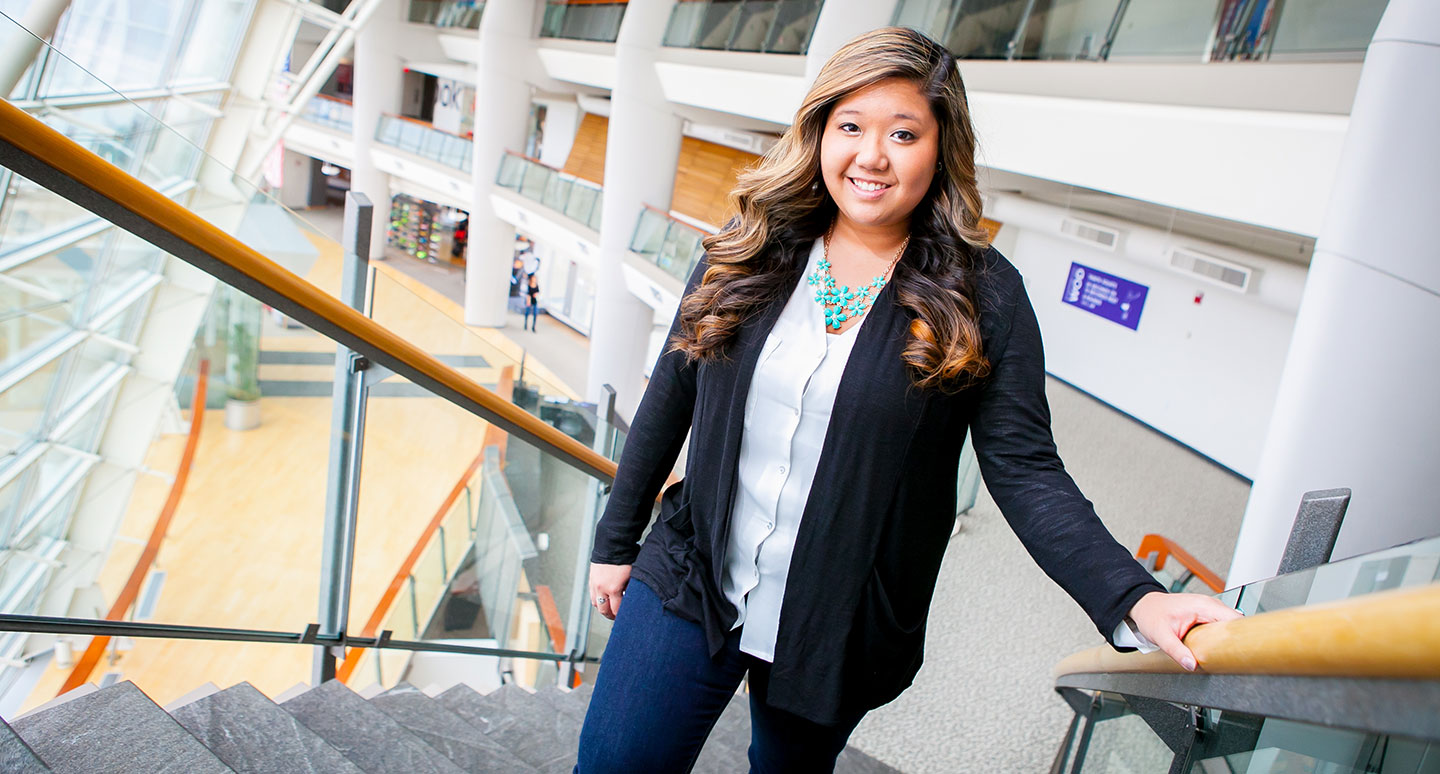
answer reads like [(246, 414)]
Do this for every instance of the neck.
[(881, 241)]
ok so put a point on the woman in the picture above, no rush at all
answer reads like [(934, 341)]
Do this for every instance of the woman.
[(829, 355), (532, 304)]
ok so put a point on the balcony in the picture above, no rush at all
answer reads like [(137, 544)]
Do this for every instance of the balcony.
[(762, 26), (458, 14), (1147, 30), (329, 112), (576, 199), (583, 20), (424, 140)]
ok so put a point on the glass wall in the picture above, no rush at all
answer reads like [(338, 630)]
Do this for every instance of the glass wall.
[(768, 26), (74, 291), (332, 112), (1169, 30), (583, 20)]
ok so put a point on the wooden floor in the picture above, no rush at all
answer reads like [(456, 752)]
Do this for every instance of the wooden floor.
[(244, 549)]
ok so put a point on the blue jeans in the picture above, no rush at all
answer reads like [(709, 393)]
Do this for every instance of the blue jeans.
[(659, 693), (532, 316)]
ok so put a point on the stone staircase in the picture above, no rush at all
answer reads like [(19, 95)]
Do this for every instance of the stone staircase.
[(331, 728)]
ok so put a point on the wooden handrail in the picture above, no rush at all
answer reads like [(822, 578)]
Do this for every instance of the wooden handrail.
[(35, 139), (1164, 548), (533, 160), (397, 582), (332, 98), (88, 660), (1388, 634)]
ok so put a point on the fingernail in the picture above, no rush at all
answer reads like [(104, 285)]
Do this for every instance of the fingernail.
[(1188, 663)]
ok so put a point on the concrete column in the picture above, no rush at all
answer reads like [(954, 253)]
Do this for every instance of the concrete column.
[(271, 27), (502, 105), (379, 78), (838, 22), (640, 158), (1357, 401), (19, 49)]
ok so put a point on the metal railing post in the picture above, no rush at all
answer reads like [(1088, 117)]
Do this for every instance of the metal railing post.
[(346, 436)]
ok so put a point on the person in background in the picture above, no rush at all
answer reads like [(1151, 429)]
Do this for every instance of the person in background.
[(532, 304), (832, 350)]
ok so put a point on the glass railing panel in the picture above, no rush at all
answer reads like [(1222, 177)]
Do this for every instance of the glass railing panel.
[(984, 30), (1067, 29), (582, 202), (684, 23), (512, 172), (931, 17), (1404, 566), (557, 192), (463, 14), (331, 112), (794, 24), (1313, 27), (1165, 29), (597, 21), (30, 213), (1256, 745), (536, 178), (1123, 741), (717, 26)]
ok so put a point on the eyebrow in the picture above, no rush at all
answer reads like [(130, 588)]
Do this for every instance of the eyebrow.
[(853, 111)]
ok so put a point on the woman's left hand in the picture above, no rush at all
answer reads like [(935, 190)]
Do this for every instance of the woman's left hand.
[(1165, 619)]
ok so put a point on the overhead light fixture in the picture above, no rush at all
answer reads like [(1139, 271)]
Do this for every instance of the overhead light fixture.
[(329, 170)]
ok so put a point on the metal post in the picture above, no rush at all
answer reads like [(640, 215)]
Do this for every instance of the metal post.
[(347, 428), (1317, 524)]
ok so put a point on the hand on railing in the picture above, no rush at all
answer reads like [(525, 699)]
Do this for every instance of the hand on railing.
[(1165, 619)]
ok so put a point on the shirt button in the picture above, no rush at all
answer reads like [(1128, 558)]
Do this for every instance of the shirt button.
[(797, 412), (782, 470)]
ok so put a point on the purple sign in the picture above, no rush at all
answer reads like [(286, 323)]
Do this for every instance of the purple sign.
[(1116, 299)]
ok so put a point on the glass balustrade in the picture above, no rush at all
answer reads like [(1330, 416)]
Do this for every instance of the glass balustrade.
[(464, 534), (426, 141), (579, 200), (768, 26), (464, 14), (1174, 30), (327, 111), (668, 243), (583, 20), (1112, 734)]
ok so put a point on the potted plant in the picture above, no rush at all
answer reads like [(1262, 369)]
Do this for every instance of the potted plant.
[(242, 364)]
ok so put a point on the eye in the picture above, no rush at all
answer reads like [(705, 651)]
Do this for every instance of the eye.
[(848, 127), (904, 135)]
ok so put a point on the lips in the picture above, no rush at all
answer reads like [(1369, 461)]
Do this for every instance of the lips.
[(868, 186)]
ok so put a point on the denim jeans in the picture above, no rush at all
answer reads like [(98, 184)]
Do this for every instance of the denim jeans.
[(659, 693)]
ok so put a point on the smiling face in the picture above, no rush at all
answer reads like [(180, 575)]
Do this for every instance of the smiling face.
[(878, 154)]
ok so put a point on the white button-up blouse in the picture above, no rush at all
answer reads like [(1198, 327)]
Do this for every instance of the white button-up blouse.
[(786, 416)]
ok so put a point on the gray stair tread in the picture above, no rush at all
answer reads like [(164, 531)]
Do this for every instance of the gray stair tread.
[(250, 733), (571, 704), (852, 761), (727, 748), (445, 731), (528, 726), (17, 756), (116, 729), (371, 739)]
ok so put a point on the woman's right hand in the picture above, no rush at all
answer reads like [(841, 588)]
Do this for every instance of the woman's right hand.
[(607, 587)]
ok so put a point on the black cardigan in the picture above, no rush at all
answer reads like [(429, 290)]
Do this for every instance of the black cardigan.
[(882, 506)]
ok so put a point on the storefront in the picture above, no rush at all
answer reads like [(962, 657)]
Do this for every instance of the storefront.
[(428, 231)]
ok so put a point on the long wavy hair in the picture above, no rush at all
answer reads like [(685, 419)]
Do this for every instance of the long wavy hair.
[(783, 207)]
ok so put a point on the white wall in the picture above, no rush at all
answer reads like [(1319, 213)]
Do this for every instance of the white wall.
[(562, 120), (1204, 374)]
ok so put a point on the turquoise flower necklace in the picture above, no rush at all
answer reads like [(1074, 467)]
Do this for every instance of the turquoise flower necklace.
[(842, 303)]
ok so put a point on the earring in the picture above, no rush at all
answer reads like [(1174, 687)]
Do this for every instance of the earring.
[(815, 187)]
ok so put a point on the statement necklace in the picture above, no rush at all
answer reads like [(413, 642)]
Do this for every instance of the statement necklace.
[(842, 303)]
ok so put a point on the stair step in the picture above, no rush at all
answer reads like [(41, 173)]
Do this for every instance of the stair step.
[(728, 747), (15, 755), (116, 729), (250, 733), (447, 732), (527, 726), (363, 733)]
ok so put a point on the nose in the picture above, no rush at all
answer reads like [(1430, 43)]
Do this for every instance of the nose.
[(871, 153)]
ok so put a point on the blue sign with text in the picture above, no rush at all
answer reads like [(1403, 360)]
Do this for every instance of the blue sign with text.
[(1115, 298)]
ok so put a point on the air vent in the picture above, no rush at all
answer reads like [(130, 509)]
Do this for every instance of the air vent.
[(1216, 271), (1093, 234)]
